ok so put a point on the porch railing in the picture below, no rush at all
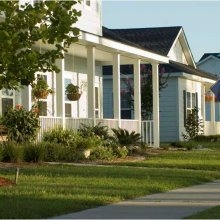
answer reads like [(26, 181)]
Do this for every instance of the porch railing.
[(48, 123)]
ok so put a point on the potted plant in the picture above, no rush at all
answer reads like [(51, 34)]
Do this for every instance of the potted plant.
[(41, 90), (72, 92)]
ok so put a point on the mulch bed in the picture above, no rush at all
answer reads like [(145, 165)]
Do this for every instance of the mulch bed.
[(6, 182)]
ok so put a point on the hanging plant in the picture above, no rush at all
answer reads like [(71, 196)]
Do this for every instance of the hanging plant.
[(208, 97), (41, 89), (72, 92)]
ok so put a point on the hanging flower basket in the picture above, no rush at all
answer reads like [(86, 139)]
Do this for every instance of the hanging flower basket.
[(40, 94), (73, 96), (208, 97)]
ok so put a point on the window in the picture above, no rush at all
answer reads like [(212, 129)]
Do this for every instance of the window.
[(43, 105), (190, 102), (68, 105), (88, 2), (96, 102), (7, 100)]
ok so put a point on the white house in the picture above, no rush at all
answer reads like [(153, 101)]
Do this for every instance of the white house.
[(83, 65), (186, 85)]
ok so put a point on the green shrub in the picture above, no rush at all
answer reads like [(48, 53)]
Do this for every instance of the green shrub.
[(53, 151), (34, 152), (12, 152), (60, 136), (97, 130), (120, 152), (193, 125), (125, 138), (207, 138), (102, 153), (22, 125)]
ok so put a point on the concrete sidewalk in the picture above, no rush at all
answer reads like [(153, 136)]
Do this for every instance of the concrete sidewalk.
[(175, 204)]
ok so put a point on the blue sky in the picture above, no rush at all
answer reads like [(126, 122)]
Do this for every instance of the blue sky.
[(199, 19)]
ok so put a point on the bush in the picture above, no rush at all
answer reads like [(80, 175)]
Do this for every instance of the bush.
[(125, 138), (12, 152), (97, 130), (34, 152), (60, 136), (121, 152), (102, 153), (22, 125), (53, 151)]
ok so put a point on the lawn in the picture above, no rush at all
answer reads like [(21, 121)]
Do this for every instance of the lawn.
[(45, 190)]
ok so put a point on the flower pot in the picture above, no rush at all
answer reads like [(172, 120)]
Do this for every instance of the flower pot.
[(73, 96), (40, 94)]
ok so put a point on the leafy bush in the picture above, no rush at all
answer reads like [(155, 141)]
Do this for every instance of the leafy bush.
[(120, 152), (194, 125), (97, 130), (22, 125), (60, 136), (102, 153), (34, 152), (87, 143), (207, 138), (12, 152), (53, 151), (125, 138)]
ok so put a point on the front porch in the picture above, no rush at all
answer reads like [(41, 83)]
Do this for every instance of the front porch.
[(48, 123)]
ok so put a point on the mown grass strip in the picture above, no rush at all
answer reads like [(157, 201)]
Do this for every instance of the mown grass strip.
[(49, 190)]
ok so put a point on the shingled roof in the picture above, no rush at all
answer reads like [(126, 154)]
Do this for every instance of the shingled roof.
[(191, 70), (159, 39), (205, 55)]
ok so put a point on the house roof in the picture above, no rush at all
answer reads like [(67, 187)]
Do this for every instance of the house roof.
[(191, 70), (205, 55), (158, 39)]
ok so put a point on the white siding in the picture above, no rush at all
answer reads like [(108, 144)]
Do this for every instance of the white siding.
[(177, 54), (90, 20)]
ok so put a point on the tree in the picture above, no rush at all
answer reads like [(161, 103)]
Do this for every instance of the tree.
[(24, 27)]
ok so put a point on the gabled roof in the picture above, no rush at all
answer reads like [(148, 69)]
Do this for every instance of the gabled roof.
[(159, 39), (205, 55), (188, 69)]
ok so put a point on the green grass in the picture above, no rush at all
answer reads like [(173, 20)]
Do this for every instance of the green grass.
[(45, 191), (194, 159), (48, 190), (212, 213)]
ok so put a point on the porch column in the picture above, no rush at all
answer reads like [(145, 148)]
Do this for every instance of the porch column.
[(91, 81), (60, 92), (213, 113), (116, 88), (156, 119), (137, 93)]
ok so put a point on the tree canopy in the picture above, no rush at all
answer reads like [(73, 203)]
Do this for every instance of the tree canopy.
[(22, 27)]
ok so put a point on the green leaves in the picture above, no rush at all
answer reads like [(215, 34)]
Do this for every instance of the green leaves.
[(27, 28)]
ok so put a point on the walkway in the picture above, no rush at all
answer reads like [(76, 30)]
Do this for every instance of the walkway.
[(175, 204)]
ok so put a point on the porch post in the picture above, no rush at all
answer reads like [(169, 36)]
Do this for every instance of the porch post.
[(91, 81), (116, 88), (60, 91), (156, 122), (137, 94), (213, 114)]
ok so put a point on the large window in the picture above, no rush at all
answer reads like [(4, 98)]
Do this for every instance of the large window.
[(190, 102)]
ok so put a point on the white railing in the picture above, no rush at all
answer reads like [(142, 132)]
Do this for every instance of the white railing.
[(147, 132), (211, 128), (48, 123)]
